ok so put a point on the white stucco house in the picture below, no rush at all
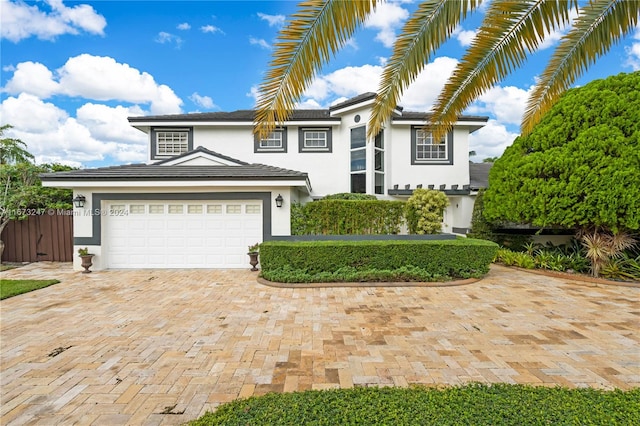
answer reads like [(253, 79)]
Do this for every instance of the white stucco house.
[(210, 189)]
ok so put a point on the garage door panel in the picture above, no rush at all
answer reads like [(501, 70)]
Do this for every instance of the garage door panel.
[(183, 235)]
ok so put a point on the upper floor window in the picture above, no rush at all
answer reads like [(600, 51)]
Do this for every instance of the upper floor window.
[(314, 139), (276, 141), (426, 150), (170, 142)]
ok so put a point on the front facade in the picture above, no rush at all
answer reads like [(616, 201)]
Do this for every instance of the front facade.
[(210, 188)]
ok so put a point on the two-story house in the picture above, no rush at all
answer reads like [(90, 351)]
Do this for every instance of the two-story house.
[(210, 188)]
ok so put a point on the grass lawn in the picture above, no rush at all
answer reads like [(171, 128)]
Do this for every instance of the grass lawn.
[(473, 404), (10, 288)]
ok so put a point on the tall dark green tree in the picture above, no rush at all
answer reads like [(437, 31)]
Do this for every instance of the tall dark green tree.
[(579, 168)]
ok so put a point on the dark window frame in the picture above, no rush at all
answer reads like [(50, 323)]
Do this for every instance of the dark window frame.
[(431, 162), (303, 149), (154, 141), (258, 149)]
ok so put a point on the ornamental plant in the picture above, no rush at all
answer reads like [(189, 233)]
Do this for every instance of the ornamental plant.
[(424, 211)]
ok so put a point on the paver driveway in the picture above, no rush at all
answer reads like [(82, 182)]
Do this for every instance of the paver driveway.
[(162, 347)]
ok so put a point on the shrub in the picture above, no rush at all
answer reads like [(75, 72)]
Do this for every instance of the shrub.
[(350, 196), (424, 211), (472, 404), (422, 260), (347, 217)]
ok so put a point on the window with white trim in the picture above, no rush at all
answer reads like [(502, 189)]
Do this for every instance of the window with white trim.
[(276, 141), (426, 150), (314, 139), (170, 141)]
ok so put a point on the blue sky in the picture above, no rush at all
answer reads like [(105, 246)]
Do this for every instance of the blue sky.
[(73, 71)]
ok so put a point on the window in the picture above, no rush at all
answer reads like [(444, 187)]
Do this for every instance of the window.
[(214, 209), (234, 209), (276, 141), (194, 209), (378, 151), (252, 208), (136, 209), (176, 208), (156, 208), (359, 160), (312, 139), (426, 150), (167, 142)]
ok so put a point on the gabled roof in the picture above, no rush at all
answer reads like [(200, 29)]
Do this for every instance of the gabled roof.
[(353, 101), (150, 172), (206, 152)]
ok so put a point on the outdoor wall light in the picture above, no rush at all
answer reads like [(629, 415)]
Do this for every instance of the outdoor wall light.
[(279, 200), (79, 201)]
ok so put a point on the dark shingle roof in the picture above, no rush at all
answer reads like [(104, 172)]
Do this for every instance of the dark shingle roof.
[(355, 100), (204, 151), (151, 172), (479, 175), (417, 115), (235, 116)]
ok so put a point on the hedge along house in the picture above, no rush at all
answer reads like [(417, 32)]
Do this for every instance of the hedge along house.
[(210, 188)]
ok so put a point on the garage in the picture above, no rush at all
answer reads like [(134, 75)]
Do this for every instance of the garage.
[(181, 234)]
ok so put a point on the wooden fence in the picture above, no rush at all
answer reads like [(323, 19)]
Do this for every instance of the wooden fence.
[(43, 237)]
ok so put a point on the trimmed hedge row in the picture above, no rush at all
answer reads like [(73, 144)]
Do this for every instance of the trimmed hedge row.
[(347, 217), (332, 261)]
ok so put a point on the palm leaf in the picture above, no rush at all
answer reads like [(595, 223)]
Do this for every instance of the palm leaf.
[(430, 25), (600, 24), (316, 32), (510, 30)]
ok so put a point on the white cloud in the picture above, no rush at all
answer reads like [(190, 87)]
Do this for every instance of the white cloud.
[(273, 20), (203, 101), (260, 42), (19, 21), (211, 29), (97, 131), (33, 78), (633, 52), (165, 37), (31, 115), (94, 77), (464, 37), (423, 92), (386, 18), (507, 104), (184, 26), (491, 140)]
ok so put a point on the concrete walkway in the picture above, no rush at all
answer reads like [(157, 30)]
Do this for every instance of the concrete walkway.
[(154, 347)]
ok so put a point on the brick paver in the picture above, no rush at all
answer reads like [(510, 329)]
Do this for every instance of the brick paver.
[(153, 347)]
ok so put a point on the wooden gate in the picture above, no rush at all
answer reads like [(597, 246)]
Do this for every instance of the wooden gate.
[(43, 237)]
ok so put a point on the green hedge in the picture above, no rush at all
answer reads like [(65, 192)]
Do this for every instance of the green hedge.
[(331, 261), (347, 217), (472, 404)]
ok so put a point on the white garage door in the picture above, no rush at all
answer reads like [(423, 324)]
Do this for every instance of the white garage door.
[(181, 234)]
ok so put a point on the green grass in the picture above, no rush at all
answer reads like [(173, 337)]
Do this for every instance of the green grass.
[(10, 288), (473, 404)]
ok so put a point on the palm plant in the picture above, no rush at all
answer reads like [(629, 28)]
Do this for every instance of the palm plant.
[(510, 31), (601, 247)]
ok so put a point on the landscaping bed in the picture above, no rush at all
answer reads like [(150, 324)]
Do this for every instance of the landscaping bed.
[(375, 261), (497, 404)]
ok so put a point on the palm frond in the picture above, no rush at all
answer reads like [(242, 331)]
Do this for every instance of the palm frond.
[(510, 30), (600, 24), (316, 32), (428, 28)]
